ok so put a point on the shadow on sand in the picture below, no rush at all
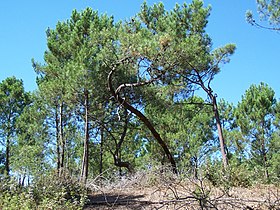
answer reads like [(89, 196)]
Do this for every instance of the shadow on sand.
[(116, 201)]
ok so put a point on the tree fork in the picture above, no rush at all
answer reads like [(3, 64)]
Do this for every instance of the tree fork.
[(117, 156)]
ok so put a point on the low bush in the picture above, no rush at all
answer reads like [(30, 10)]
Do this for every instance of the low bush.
[(45, 192)]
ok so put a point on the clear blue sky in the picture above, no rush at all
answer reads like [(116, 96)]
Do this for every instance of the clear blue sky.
[(23, 25)]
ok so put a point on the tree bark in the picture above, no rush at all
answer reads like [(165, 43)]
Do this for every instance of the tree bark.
[(266, 174), (101, 150), (195, 166), (84, 172), (263, 152), (122, 164), (208, 90), (57, 141), (7, 161), (143, 118), (61, 138), (220, 131)]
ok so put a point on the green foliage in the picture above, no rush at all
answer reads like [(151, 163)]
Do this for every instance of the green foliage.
[(14, 197), (255, 117), (235, 142), (13, 99), (240, 174), (237, 175), (187, 127), (269, 11), (51, 191), (274, 157), (18, 200), (32, 137), (46, 192), (12, 102)]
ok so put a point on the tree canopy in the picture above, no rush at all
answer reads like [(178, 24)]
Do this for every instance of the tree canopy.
[(269, 13)]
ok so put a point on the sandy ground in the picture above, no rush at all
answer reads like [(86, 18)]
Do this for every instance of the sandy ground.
[(181, 195)]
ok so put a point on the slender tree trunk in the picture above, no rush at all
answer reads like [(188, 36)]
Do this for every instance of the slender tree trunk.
[(266, 174), (61, 138), (220, 131), (264, 157), (57, 142), (7, 162), (144, 119), (101, 150), (195, 165), (263, 150), (122, 165), (209, 92), (23, 180), (67, 158), (84, 172)]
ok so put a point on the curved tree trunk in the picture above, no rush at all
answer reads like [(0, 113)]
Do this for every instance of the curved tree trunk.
[(122, 164), (143, 118)]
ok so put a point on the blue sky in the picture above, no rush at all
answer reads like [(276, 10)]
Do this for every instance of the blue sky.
[(23, 25)]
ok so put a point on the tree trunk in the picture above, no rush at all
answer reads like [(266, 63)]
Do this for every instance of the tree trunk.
[(84, 172), (57, 141), (122, 164), (209, 92), (7, 162), (61, 138), (220, 131), (156, 135), (23, 180), (195, 165), (266, 174), (144, 119), (101, 150)]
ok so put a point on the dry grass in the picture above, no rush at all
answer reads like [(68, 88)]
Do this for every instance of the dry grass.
[(160, 189)]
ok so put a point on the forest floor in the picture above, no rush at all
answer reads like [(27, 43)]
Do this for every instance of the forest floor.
[(166, 192)]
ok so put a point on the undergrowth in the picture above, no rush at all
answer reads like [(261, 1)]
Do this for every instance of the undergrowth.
[(45, 192)]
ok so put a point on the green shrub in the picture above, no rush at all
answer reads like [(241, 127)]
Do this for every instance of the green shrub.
[(53, 191), (235, 175), (240, 175), (46, 192), (13, 196)]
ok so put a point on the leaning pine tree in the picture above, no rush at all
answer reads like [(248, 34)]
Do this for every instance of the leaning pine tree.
[(166, 48)]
